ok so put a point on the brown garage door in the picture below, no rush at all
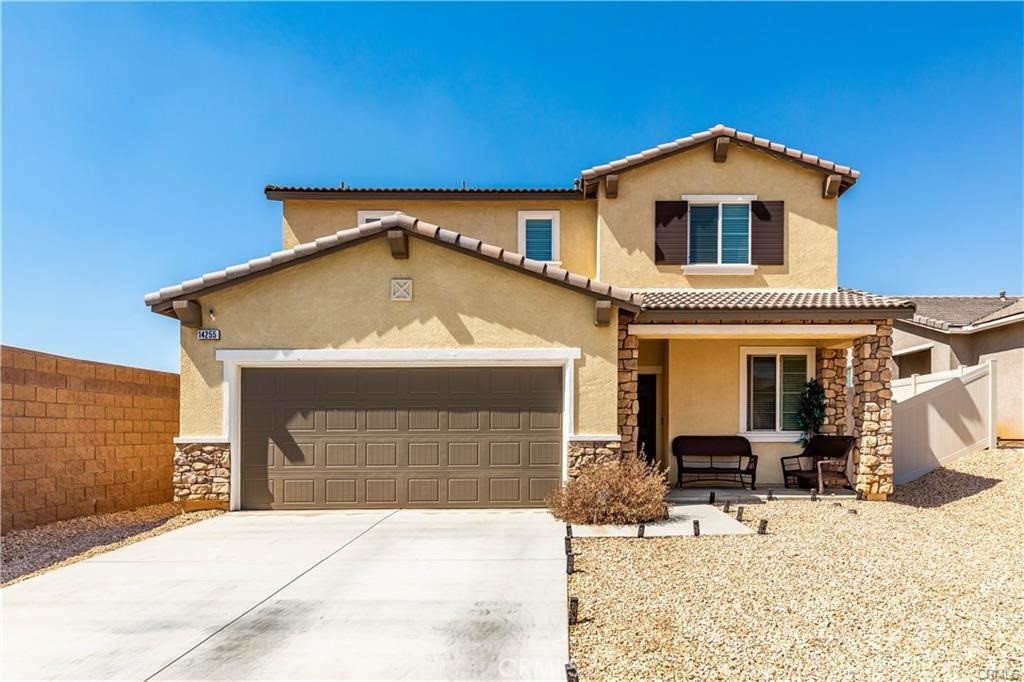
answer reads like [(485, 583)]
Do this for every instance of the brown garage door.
[(344, 438)]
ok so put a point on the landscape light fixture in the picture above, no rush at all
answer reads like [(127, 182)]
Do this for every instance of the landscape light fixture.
[(762, 527)]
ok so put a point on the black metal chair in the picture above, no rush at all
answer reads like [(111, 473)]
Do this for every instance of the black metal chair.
[(823, 461)]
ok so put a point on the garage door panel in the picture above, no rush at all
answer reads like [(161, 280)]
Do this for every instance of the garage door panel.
[(424, 419), (542, 454), (386, 437), (381, 491), (382, 454), (505, 455), (541, 488), (292, 454), (340, 418), (340, 491), (340, 455), (504, 489), (424, 491)]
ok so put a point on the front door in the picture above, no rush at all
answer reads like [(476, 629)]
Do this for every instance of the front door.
[(647, 420)]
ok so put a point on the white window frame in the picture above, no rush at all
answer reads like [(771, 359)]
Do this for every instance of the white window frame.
[(553, 216), (720, 268), (363, 217), (764, 435)]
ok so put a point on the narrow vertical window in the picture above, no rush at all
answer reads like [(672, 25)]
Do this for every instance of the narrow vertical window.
[(538, 235)]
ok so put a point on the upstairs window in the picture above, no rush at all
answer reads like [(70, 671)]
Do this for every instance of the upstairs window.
[(772, 382), (538, 235), (719, 233)]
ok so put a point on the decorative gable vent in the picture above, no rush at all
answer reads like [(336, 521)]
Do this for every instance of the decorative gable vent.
[(401, 289)]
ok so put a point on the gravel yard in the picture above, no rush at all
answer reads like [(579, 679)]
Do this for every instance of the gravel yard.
[(929, 586), (24, 553)]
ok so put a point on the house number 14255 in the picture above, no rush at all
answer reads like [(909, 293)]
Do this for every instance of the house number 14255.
[(208, 334)]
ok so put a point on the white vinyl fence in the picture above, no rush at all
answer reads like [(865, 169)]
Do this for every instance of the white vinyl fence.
[(940, 417)]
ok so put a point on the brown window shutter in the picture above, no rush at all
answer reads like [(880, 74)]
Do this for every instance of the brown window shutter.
[(767, 232), (670, 232)]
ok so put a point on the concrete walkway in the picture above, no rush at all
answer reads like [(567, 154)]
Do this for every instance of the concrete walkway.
[(679, 522), (419, 595)]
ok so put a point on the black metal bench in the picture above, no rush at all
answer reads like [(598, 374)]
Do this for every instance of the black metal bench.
[(714, 458)]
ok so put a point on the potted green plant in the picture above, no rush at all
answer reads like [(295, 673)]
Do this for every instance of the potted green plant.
[(812, 410)]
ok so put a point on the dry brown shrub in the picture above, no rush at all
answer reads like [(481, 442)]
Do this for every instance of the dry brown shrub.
[(620, 492)]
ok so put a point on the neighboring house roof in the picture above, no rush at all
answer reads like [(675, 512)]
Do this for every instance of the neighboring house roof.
[(292, 192), (160, 301), (767, 299), (746, 139), (959, 313)]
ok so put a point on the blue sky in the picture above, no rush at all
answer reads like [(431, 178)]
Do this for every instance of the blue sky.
[(137, 138)]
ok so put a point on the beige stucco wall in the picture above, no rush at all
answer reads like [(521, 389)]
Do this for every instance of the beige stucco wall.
[(626, 223), (703, 398), (341, 300), (494, 222)]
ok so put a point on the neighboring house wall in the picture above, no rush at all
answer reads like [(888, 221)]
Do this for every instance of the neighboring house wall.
[(1005, 345), (494, 222), (341, 300), (950, 351), (947, 352), (626, 223), (81, 438)]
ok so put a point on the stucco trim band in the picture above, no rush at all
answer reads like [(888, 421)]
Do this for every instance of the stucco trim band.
[(235, 360)]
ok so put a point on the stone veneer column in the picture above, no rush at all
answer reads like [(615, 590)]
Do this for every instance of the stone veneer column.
[(629, 406), (202, 475), (831, 372), (872, 412), (584, 453)]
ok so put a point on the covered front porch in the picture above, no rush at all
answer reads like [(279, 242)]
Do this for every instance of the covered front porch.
[(723, 374)]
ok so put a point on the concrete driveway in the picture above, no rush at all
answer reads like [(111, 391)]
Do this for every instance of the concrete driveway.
[(417, 595)]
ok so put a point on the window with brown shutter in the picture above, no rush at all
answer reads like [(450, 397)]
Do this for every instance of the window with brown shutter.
[(670, 232), (767, 233)]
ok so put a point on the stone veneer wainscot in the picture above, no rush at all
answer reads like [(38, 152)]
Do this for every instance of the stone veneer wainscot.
[(202, 475)]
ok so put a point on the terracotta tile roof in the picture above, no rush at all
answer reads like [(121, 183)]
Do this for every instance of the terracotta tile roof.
[(195, 287), (949, 312), (721, 131), (766, 299)]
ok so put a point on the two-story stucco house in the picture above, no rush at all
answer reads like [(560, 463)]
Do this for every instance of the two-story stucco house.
[(474, 347)]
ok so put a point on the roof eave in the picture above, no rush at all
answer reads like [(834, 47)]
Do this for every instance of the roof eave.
[(669, 316), (274, 193)]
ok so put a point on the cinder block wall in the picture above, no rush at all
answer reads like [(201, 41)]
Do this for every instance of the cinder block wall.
[(80, 438)]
